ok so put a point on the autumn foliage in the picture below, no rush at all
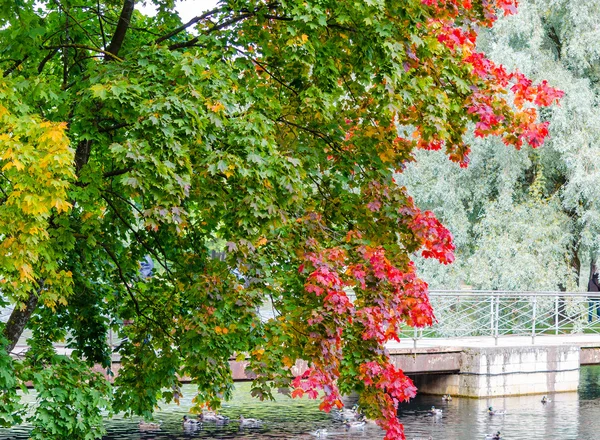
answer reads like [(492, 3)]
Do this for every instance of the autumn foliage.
[(499, 103)]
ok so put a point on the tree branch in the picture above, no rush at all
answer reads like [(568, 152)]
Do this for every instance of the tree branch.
[(188, 24), (330, 142), (101, 25), (217, 27), (263, 67), (115, 260), (117, 172), (15, 66), (136, 235), (124, 21), (83, 46), (82, 154), (46, 59)]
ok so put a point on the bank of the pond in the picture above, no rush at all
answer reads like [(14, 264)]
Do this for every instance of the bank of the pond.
[(570, 416)]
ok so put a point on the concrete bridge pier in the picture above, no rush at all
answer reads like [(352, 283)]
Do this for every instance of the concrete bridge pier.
[(507, 371)]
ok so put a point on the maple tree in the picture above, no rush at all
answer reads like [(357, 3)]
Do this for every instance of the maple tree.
[(268, 132)]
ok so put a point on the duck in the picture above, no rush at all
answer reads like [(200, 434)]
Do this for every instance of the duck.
[(447, 398), (148, 426), (546, 400), (320, 433), (249, 423), (495, 412), (347, 414), (211, 416), (355, 424), (435, 411), (190, 423), (495, 436)]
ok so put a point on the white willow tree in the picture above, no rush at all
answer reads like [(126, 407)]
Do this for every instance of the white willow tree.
[(528, 220)]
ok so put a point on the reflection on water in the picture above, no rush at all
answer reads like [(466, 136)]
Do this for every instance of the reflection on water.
[(526, 418), (568, 416)]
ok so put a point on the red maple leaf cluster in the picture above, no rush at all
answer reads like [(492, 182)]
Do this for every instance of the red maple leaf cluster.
[(367, 291)]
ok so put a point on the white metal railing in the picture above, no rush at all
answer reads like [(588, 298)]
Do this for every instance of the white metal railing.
[(462, 313)]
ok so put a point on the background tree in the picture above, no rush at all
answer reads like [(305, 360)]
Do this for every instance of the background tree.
[(266, 131), (527, 220)]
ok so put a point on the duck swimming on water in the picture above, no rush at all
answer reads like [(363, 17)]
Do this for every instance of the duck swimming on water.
[(347, 414), (435, 411), (148, 426), (356, 424), (249, 423), (190, 423), (211, 416)]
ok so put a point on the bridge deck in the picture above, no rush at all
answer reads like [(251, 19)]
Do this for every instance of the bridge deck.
[(443, 355), (582, 340)]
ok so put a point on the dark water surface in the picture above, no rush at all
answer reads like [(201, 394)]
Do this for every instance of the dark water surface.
[(568, 416)]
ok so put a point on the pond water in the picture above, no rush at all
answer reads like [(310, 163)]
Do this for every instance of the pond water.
[(568, 416)]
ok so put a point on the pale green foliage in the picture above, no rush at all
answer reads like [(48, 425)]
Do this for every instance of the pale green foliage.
[(520, 248)]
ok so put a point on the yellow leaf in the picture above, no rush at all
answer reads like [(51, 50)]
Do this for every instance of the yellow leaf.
[(387, 155), (26, 272), (61, 205), (216, 107), (287, 361), (229, 171), (261, 242), (18, 165)]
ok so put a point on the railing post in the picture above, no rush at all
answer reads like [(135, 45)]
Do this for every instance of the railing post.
[(497, 318), (533, 320), (415, 337), (492, 315), (556, 315)]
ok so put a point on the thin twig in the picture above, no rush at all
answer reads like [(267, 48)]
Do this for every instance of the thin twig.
[(136, 235), (83, 46), (188, 24), (215, 28), (15, 66), (117, 172)]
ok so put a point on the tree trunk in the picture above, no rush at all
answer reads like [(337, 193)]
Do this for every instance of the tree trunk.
[(575, 264), (19, 318), (593, 269)]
